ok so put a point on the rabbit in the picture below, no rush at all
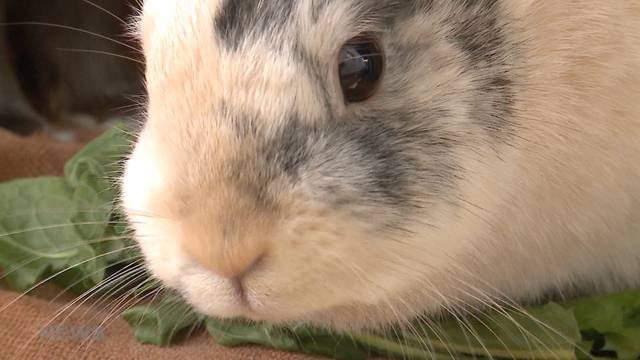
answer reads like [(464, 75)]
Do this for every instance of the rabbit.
[(357, 163)]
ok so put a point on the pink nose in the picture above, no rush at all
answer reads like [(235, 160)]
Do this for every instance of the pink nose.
[(227, 234), (228, 247), (228, 260)]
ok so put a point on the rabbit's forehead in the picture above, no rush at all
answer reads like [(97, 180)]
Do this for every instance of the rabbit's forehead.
[(240, 22), (233, 22), (238, 45)]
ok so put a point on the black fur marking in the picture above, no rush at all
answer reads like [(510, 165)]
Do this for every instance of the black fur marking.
[(290, 148), (382, 150), (266, 158), (242, 19), (377, 148), (317, 6), (479, 32)]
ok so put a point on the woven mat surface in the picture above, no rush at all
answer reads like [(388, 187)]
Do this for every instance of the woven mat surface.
[(28, 326)]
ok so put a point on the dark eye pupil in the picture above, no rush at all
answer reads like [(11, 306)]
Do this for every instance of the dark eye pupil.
[(361, 65)]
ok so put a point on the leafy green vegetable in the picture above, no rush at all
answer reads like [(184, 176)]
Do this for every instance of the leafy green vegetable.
[(237, 332), (538, 333), (67, 229), (34, 234), (160, 323), (59, 227), (614, 320), (551, 335)]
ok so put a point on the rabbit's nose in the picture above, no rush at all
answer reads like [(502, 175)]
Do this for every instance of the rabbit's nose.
[(229, 258)]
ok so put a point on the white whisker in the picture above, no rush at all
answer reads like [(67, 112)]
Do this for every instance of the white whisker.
[(71, 28), (100, 52)]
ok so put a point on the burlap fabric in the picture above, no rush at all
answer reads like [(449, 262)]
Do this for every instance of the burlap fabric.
[(28, 326)]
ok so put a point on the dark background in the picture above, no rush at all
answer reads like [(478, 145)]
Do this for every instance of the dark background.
[(50, 74)]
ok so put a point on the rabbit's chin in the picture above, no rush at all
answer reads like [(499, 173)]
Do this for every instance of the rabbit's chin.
[(216, 297)]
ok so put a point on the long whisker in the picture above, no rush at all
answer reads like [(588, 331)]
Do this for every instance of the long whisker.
[(85, 296), (58, 314), (100, 52), (52, 227), (351, 268), (465, 325), (14, 268), (91, 210), (129, 269), (80, 300), (91, 3), (59, 273), (404, 346), (137, 270), (71, 28), (446, 305), (489, 328), (130, 109), (119, 307), (140, 274), (510, 304), (492, 304), (153, 299)]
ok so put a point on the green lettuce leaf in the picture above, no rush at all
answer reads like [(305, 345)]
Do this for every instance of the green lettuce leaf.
[(611, 322), (161, 323), (236, 332), (60, 227)]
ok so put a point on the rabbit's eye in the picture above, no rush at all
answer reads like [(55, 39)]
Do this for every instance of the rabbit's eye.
[(360, 68)]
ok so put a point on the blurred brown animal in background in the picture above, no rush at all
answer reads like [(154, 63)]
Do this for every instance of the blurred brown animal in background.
[(64, 59)]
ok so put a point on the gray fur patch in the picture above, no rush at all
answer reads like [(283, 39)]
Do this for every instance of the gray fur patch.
[(479, 32), (240, 20), (372, 161), (396, 154)]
